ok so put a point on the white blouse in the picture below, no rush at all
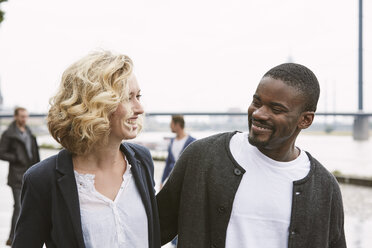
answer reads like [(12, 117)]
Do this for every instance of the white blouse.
[(115, 224)]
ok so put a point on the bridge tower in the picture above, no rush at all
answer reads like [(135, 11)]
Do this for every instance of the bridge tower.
[(361, 125)]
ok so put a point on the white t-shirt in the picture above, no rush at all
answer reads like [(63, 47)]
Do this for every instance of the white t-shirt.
[(177, 146), (116, 224), (261, 210)]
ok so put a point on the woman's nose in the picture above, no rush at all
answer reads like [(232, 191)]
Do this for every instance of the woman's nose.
[(137, 108)]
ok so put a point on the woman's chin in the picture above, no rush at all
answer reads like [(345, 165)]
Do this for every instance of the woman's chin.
[(131, 135)]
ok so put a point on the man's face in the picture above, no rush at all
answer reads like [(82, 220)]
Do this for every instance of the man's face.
[(21, 118), (274, 115), (173, 127)]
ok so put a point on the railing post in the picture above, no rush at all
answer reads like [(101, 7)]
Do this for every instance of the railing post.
[(361, 128)]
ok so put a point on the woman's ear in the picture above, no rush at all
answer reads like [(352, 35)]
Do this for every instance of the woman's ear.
[(306, 120)]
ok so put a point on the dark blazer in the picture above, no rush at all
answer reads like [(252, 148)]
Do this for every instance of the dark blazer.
[(50, 210), (13, 150)]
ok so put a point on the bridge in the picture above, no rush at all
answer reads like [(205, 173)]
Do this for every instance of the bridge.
[(360, 127)]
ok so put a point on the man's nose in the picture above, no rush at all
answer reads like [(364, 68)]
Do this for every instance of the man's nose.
[(261, 113)]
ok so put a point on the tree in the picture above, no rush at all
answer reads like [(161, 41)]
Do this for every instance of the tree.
[(2, 12)]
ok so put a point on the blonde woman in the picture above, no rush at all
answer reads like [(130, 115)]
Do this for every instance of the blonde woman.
[(98, 191)]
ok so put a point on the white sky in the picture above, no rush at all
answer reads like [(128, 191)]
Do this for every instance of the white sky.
[(194, 55)]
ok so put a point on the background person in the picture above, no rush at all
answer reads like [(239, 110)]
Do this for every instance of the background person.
[(257, 189), (19, 147), (176, 145), (97, 191)]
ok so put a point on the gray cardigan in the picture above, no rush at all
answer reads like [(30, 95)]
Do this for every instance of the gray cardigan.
[(197, 200)]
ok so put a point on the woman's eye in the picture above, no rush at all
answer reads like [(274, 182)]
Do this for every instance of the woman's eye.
[(138, 97)]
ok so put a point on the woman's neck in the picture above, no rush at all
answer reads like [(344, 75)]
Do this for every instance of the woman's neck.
[(99, 158)]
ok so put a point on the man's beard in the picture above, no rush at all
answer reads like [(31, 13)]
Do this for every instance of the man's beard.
[(258, 143), (254, 141)]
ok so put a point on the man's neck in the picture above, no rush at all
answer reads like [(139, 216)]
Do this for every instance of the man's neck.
[(181, 134), (283, 156), (22, 128)]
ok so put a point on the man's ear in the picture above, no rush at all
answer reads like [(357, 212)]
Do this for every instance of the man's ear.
[(306, 119)]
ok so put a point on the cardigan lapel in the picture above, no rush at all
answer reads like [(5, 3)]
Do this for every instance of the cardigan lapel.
[(68, 188), (139, 177)]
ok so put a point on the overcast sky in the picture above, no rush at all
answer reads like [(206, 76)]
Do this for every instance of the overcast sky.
[(194, 55)]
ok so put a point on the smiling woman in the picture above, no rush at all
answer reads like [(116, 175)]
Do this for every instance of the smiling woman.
[(98, 191)]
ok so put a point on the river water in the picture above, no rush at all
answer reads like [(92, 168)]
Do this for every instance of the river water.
[(339, 153)]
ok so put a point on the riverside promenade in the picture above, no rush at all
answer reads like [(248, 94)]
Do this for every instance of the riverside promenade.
[(357, 204)]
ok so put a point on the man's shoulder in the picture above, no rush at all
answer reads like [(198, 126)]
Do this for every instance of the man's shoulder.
[(320, 171), (29, 131), (214, 142), (219, 137), (10, 130)]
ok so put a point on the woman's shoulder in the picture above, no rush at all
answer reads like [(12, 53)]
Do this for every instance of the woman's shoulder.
[(142, 150), (42, 170)]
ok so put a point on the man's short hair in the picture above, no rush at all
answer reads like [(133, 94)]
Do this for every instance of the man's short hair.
[(17, 109), (178, 119), (302, 79)]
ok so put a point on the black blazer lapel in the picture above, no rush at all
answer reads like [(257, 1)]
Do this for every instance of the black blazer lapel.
[(140, 179), (67, 185)]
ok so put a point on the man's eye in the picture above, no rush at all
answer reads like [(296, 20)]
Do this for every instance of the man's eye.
[(255, 103), (138, 97), (277, 111)]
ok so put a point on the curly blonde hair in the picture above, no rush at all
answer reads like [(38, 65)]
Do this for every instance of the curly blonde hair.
[(90, 91)]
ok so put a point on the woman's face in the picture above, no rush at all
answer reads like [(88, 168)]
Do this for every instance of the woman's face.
[(124, 126)]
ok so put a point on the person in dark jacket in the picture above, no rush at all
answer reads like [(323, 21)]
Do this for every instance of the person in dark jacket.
[(257, 188), (19, 147), (98, 191)]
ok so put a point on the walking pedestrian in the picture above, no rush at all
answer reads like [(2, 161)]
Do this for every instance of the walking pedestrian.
[(19, 147)]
